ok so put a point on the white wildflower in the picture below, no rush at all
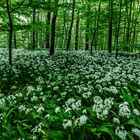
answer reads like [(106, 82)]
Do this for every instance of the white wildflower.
[(68, 109), (22, 108), (57, 110), (40, 109), (121, 132), (124, 111), (67, 123), (55, 88), (136, 131), (84, 111), (86, 95), (30, 89), (2, 102), (34, 98), (63, 94), (116, 120), (98, 100), (136, 112), (81, 121)]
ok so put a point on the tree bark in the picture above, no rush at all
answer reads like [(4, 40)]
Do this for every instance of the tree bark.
[(118, 27), (34, 35), (48, 19), (15, 40), (87, 26), (10, 30), (110, 26), (53, 28), (96, 28), (77, 32), (71, 25)]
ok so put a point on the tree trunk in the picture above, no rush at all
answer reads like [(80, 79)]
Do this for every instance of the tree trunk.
[(71, 25), (110, 26), (96, 28), (118, 28), (128, 39), (33, 35), (10, 30), (48, 19), (15, 40), (53, 28), (77, 32), (87, 27)]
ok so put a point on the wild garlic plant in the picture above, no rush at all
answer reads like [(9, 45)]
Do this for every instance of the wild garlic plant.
[(69, 95)]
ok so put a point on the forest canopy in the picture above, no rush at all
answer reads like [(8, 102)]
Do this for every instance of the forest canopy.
[(71, 24)]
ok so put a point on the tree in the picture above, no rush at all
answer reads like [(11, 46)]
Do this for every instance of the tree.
[(8, 6), (53, 27), (110, 26), (71, 25), (48, 18), (77, 31)]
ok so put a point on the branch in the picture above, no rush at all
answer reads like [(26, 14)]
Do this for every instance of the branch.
[(19, 5)]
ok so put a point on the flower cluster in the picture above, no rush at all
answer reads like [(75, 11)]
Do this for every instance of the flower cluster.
[(69, 89)]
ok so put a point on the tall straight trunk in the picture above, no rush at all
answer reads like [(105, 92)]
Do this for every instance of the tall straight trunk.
[(134, 31), (87, 27), (128, 39), (63, 39), (10, 30), (96, 28), (34, 35), (48, 21), (110, 26), (37, 34), (15, 40), (77, 32), (71, 25), (93, 39), (87, 36), (53, 28), (118, 27)]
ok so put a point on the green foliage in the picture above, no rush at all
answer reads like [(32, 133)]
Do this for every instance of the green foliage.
[(69, 96)]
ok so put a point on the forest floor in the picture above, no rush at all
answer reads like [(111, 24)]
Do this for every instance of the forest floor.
[(69, 96)]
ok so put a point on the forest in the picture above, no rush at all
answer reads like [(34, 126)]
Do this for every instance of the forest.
[(70, 69)]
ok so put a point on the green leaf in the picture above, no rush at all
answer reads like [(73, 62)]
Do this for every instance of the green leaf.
[(21, 131), (93, 130), (107, 130), (128, 98), (134, 122), (56, 135)]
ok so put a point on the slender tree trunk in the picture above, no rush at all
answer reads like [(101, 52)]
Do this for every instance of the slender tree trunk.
[(118, 27), (48, 19), (87, 27), (53, 28), (71, 25), (96, 28), (10, 30), (15, 40), (110, 26), (64, 34), (77, 32), (34, 35), (128, 28), (87, 36)]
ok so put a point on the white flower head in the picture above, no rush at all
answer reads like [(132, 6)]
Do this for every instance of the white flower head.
[(136, 112), (116, 120), (81, 121), (136, 131), (67, 123), (57, 110), (121, 132)]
